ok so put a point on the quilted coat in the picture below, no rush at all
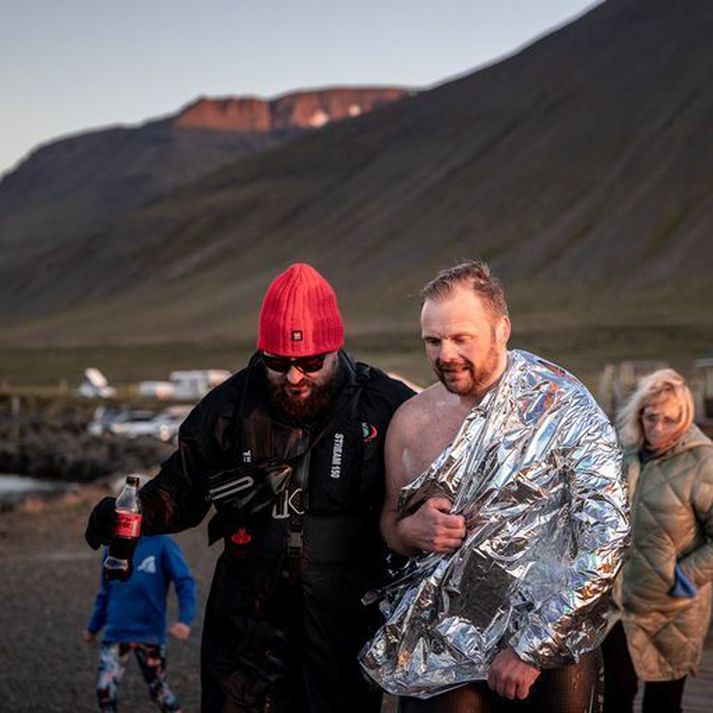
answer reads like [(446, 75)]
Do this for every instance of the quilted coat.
[(671, 499)]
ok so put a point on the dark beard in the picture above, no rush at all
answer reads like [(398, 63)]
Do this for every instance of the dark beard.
[(305, 411)]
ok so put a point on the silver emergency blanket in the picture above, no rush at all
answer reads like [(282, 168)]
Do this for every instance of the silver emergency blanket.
[(536, 472)]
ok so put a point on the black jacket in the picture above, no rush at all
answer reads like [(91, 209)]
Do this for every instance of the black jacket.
[(273, 628)]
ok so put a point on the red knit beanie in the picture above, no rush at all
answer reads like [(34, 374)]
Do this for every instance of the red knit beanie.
[(299, 315)]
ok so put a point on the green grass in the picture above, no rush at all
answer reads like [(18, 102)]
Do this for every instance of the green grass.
[(583, 350)]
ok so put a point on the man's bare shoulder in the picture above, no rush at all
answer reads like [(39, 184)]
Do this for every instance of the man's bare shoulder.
[(421, 409), (419, 405), (421, 428), (429, 420)]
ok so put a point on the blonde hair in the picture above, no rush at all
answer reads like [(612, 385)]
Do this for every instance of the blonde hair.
[(651, 388)]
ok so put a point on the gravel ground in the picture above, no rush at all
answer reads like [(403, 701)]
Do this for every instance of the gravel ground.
[(49, 578)]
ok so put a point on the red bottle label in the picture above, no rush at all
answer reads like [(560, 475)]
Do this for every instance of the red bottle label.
[(128, 524)]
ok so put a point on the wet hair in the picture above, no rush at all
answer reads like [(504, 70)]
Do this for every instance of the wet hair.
[(473, 273), (654, 387)]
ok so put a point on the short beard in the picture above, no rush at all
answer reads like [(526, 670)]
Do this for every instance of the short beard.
[(309, 410), (480, 379)]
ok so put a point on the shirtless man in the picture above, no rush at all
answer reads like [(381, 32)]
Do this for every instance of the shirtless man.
[(465, 328)]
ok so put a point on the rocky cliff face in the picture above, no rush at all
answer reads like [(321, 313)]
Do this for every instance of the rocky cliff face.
[(78, 185), (299, 110)]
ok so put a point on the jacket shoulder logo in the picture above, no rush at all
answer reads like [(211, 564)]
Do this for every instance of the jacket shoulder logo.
[(369, 432), (148, 565)]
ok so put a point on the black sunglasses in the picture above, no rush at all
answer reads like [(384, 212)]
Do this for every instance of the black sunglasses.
[(282, 365)]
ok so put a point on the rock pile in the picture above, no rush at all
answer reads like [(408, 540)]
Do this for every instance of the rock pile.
[(49, 439)]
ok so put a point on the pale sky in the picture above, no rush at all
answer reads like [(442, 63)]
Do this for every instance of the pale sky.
[(72, 65)]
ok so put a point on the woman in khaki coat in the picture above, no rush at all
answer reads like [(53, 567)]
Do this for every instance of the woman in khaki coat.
[(663, 595)]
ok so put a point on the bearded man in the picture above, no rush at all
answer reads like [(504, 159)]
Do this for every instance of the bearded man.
[(289, 451), (504, 487)]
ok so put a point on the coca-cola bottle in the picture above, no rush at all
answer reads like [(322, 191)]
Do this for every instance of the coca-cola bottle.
[(118, 565)]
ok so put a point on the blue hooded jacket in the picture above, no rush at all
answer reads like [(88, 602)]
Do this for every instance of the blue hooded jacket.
[(135, 610)]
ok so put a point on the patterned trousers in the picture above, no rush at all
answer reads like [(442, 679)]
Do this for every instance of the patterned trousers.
[(152, 662)]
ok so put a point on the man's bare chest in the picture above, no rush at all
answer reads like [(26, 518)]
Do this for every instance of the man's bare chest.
[(433, 437)]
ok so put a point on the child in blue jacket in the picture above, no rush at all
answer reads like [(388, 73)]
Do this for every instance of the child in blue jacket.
[(133, 615)]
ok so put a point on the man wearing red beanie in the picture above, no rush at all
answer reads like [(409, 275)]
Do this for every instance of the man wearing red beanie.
[(289, 451)]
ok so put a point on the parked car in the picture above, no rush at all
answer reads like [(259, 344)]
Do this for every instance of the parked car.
[(134, 423), (106, 417)]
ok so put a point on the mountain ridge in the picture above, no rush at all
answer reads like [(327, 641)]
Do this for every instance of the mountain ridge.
[(81, 182)]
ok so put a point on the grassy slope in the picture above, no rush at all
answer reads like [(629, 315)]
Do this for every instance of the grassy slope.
[(584, 351)]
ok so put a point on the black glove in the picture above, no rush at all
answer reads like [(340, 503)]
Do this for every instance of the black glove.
[(100, 527)]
